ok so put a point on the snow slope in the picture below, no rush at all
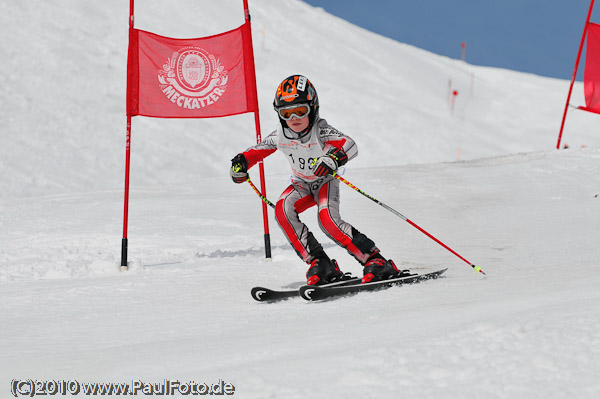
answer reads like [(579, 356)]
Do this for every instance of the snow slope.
[(526, 213)]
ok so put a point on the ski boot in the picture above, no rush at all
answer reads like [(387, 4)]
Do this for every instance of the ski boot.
[(322, 271), (378, 268)]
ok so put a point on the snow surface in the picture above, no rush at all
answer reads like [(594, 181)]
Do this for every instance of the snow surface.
[(484, 178)]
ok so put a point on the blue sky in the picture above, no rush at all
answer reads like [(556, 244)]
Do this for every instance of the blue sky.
[(536, 36)]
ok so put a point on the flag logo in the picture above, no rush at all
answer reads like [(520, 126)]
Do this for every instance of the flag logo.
[(193, 78)]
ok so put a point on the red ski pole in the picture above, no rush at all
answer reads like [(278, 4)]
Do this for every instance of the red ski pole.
[(340, 178)]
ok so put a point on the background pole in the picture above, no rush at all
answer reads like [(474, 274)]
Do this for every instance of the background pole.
[(585, 29)]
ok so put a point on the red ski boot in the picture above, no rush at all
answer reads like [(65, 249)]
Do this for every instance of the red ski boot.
[(322, 271), (378, 268)]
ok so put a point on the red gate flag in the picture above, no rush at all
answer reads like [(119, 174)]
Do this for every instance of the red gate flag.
[(206, 77), (191, 78), (591, 75)]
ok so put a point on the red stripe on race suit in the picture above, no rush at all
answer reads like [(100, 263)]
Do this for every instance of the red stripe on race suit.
[(254, 156), (332, 228), (304, 203), (336, 143), (287, 227)]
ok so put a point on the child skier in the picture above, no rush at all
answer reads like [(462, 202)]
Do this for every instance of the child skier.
[(315, 150)]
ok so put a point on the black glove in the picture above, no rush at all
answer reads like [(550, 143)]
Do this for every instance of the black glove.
[(328, 163), (239, 169)]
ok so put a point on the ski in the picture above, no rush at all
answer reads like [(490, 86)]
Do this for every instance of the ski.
[(316, 293), (262, 294)]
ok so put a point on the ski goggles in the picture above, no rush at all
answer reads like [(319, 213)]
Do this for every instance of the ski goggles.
[(300, 111)]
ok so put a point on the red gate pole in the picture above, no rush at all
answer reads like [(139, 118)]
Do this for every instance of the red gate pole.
[(261, 167), (124, 241), (126, 201), (585, 29)]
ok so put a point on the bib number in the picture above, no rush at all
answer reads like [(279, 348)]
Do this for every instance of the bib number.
[(303, 163)]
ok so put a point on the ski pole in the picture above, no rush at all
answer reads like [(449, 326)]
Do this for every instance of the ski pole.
[(237, 168), (262, 197), (395, 212)]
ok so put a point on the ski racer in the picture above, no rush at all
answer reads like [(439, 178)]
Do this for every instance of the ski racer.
[(315, 150)]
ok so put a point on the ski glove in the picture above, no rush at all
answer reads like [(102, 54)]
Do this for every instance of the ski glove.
[(239, 169), (328, 163)]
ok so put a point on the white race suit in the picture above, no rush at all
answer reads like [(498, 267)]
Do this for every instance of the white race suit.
[(307, 189)]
